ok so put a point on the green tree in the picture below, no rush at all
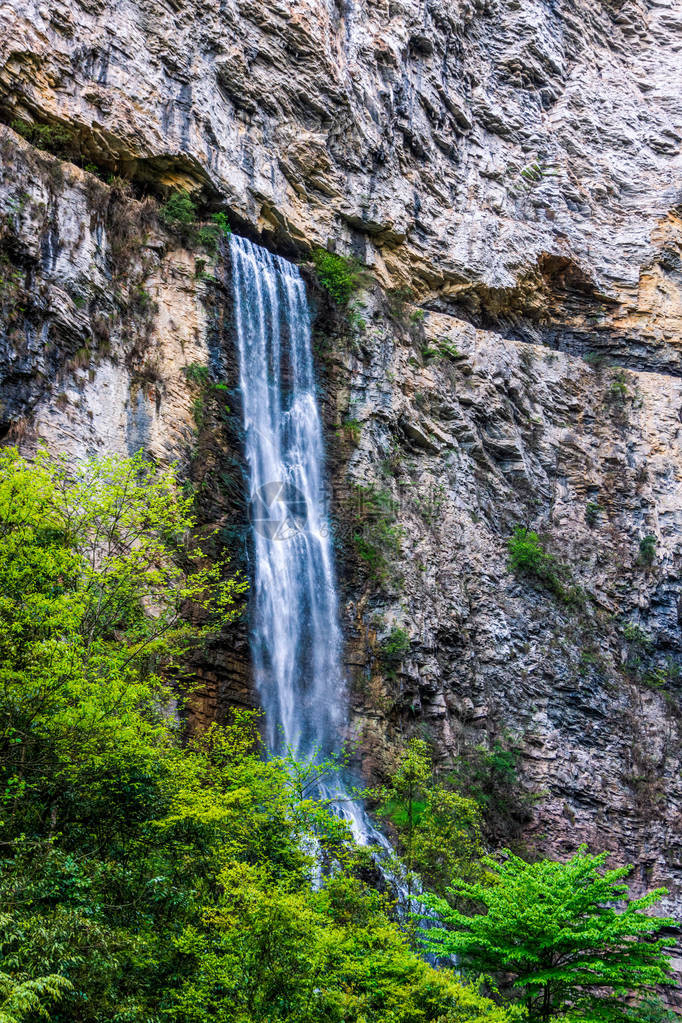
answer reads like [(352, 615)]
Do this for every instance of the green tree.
[(438, 830), (273, 953), (555, 930), (103, 593)]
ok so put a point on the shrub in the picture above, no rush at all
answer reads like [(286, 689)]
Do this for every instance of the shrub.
[(222, 223), (53, 138), (179, 214), (395, 646), (448, 349), (379, 541), (490, 776), (352, 428), (647, 550), (634, 634), (209, 235), (438, 830), (592, 512), (208, 238), (197, 373), (338, 275), (527, 556), (429, 354), (619, 388), (178, 210)]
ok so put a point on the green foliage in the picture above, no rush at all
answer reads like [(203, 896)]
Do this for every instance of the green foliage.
[(24, 997), (221, 222), (438, 830), (490, 777), (395, 646), (527, 556), (532, 175), (356, 320), (592, 512), (275, 953), (636, 635), (553, 929), (338, 275), (178, 211), (209, 235), (142, 878), (651, 1010), (441, 349), (448, 349), (197, 373), (429, 354), (377, 543), (618, 389), (57, 139), (352, 429), (141, 302), (647, 550), (180, 215)]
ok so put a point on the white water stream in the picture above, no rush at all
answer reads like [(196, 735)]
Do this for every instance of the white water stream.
[(296, 640)]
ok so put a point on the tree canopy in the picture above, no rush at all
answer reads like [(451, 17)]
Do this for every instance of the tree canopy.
[(144, 876), (565, 934)]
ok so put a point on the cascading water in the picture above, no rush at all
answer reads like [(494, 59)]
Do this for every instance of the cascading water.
[(295, 634)]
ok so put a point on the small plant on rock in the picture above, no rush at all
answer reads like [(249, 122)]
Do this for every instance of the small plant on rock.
[(527, 556), (337, 275), (592, 512), (352, 429), (619, 388), (636, 635), (197, 373), (395, 646), (179, 211), (209, 235), (378, 538), (647, 550), (448, 349)]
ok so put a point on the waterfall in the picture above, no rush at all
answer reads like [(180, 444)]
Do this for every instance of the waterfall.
[(295, 635)]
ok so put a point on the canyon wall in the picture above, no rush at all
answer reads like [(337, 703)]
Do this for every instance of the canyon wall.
[(509, 175)]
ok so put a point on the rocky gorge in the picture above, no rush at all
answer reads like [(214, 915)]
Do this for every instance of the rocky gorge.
[(507, 176)]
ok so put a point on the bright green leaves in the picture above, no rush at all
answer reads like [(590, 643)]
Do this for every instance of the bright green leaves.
[(556, 929), (438, 830), (281, 953), (338, 275)]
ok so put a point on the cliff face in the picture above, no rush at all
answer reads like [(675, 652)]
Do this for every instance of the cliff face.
[(510, 175)]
